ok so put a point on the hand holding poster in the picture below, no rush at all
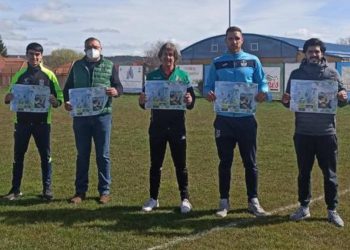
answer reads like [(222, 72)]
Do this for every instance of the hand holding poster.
[(237, 97), (30, 98), (314, 96), (165, 95), (87, 101)]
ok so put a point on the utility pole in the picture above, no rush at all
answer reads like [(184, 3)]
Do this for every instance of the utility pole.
[(229, 13)]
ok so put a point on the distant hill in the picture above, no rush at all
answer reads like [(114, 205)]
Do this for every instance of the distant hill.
[(126, 60), (120, 60)]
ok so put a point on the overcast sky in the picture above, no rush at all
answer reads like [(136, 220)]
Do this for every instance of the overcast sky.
[(129, 27)]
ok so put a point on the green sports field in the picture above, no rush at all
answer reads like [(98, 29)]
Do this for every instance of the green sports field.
[(30, 223)]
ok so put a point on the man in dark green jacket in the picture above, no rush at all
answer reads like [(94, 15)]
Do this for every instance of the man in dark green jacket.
[(29, 124), (93, 70)]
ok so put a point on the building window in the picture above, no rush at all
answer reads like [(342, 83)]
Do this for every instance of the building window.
[(254, 46), (214, 47)]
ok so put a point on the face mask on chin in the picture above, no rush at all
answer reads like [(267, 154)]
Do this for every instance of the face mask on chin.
[(93, 54)]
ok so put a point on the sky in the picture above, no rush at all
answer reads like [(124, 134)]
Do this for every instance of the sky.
[(130, 27)]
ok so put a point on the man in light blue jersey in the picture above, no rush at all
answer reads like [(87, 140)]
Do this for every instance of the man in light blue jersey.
[(236, 128)]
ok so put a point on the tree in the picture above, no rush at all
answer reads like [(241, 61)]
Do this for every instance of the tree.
[(3, 49), (344, 41), (61, 56), (151, 55)]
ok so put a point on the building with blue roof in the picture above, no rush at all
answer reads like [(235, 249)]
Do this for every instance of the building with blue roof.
[(279, 56), (269, 49)]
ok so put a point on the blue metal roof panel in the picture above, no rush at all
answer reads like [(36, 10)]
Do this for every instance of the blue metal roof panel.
[(332, 48)]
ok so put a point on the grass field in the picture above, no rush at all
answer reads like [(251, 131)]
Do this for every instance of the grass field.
[(30, 223)]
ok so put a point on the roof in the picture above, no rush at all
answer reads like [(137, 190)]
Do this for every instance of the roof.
[(2, 62), (11, 65), (339, 50), (332, 49), (63, 69)]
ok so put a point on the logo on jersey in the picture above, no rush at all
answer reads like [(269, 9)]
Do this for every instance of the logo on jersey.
[(244, 63), (26, 80)]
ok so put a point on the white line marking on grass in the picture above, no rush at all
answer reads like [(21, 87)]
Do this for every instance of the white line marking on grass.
[(233, 224)]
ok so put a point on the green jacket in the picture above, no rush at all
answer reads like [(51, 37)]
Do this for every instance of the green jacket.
[(35, 76), (176, 75), (103, 75)]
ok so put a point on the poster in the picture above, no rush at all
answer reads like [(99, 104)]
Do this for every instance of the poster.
[(345, 75), (131, 78), (87, 101), (165, 95), (195, 73), (273, 78), (237, 97), (30, 98), (314, 96)]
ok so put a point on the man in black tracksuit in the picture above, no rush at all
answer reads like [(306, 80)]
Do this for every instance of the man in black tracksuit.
[(168, 126), (315, 134)]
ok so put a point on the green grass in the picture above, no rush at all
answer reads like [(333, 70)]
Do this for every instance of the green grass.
[(32, 224)]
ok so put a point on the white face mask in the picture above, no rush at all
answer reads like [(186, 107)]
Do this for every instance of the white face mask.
[(93, 53)]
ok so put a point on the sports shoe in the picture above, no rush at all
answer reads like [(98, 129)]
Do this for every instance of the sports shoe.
[(334, 217), (185, 206), (47, 194), (77, 198), (255, 208), (13, 195), (104, 199), (150, 204), (224, 207), (300, 214)]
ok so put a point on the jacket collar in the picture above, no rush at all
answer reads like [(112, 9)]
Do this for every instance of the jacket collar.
[(310, 67)]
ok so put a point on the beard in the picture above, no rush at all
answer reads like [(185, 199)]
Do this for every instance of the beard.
[(314, 60)]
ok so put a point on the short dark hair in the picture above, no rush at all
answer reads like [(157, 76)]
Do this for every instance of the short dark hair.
[(91, 39), (233, 29), (314, 42), (169, 46), (36, 47)]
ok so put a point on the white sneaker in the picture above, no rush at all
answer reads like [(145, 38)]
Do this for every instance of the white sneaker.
[(224, 207), (334, 217), (255, 208), (301, 213), (11, 196), (150, 204), (185, 206)]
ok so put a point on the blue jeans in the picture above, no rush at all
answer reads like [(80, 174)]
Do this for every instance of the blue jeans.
[(41, 135), (85, 129)]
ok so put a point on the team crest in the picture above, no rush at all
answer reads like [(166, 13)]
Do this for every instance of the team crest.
[(244, 63), (26, 80)]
